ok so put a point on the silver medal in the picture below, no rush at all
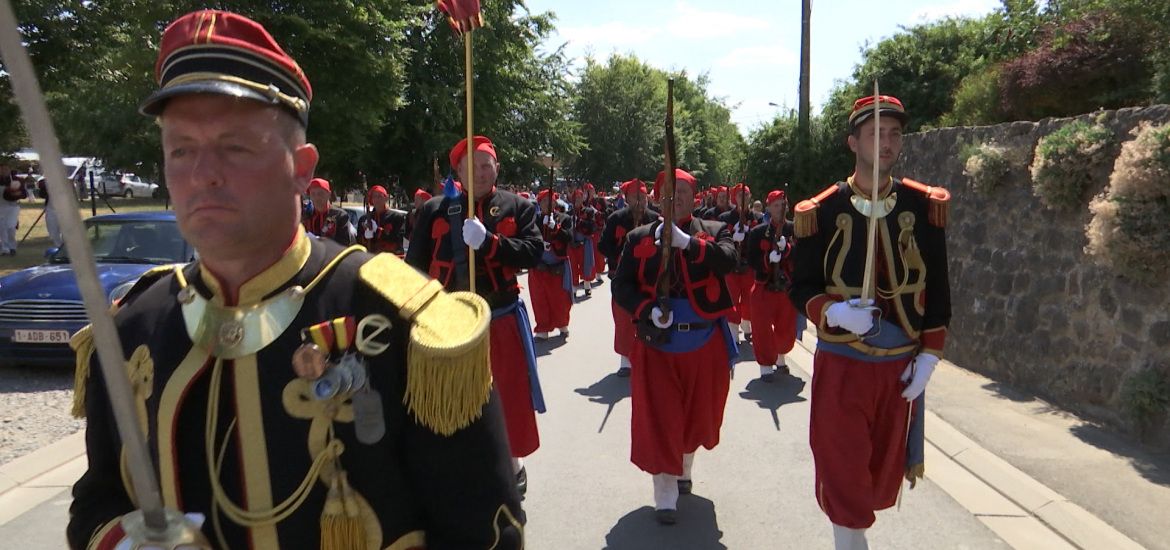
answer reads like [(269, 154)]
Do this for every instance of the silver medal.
[(368, 422)]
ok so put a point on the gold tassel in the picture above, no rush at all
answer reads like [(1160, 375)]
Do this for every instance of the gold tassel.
[(806, 222), (82, 344), (449, 377), (341, 526)]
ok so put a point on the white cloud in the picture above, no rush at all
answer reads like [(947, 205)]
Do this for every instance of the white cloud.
[(959, 8), (758, 56), (609, 35), (688, 22)]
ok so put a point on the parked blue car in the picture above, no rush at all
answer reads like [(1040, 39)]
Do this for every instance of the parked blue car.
[(40, 307)]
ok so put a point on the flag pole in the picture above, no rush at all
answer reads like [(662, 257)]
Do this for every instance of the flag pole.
[(469, 87)]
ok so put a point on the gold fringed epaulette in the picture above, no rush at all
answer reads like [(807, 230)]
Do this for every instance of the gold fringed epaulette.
[(939, 201), (805, 216), (449, 378), (144, 281), (82, 344)]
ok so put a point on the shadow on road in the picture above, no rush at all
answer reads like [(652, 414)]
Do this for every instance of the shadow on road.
[(608, 391), (545, 347), (786, 389), (697, 528), (35, 379), (1154, 467)]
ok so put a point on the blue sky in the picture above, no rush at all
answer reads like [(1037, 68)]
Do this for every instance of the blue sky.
[(750, 48)]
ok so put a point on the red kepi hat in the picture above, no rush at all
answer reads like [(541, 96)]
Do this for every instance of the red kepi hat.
[(220, 52), (480, 143)]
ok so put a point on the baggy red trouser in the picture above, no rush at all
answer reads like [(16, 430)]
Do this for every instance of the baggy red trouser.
[(577, 260), (677, 402), (773, 324), (857, 431), (510, 376), (599, 258), (740, 286), (550, 301), (623, 330)]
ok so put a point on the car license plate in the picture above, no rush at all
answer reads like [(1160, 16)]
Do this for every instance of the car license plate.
[(26, 336)]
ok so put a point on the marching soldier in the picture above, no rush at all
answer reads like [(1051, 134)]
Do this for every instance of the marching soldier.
[(613, 240), (583, 253), (722, 203), (597, 203), (272, 376), (872, 360), (740, 281), (322, 219), (550, 283), (421, 196), (769, 248), (381, 229), (681, 360), (505, 232)]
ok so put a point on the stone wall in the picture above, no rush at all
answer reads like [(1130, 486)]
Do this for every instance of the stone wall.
[(1030, 307)]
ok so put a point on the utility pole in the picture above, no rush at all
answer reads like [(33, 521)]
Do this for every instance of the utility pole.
[(802, 130)]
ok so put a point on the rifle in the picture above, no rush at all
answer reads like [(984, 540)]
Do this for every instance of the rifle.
[(544, 230), (666, 271)]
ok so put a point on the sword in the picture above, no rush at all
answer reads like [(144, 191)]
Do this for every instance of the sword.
[(156, 524), (867, 291)]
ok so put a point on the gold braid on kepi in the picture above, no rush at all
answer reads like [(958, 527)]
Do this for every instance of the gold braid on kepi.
[(449, 378)]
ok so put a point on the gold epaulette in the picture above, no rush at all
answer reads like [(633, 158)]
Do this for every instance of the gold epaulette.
[(939, 198), (806, 212), (449, 378), (82, 340)]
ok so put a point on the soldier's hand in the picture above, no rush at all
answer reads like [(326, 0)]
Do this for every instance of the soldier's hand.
[(192, 538), (550, 222), (738, 236), (853, 316), (679, 238), (775, 257), (783, 242), (659, 320), (917, 374), (474, 232)]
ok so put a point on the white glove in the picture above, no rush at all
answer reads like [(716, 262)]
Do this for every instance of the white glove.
[(547, 245), (851, 316), (474, 232), (369, 230), (921, 368), (194, 520), (774, 257), (783, 242), (679, 238), (738, 236), (655, 317), (550, 222), (738, 228)]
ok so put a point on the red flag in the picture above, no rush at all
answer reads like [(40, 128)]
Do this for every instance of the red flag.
[(463, 15)]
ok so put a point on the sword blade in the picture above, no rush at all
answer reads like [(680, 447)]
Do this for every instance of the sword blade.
[(109, 348), (867, 290)]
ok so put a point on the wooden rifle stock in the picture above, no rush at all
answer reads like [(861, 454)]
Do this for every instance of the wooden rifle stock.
[(666, 272)]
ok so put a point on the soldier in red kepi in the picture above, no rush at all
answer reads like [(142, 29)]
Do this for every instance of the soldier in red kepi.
[(272, 376), (322, 219), (550, 283), (505, 233), (381, 229), (681, 360), (741, 219), (769, 251), (873, 360), (613, 240)]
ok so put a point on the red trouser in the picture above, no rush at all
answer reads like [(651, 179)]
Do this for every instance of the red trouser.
[(857, 432), (510, 376), (577, 259), (740, 286), (677, 402), (773, 324), (550, 300), (623, 330)]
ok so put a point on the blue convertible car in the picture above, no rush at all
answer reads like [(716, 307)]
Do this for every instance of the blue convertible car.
[(40, 307)]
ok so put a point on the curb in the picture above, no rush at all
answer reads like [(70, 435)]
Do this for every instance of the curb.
[(1015, 503), (41, 461)]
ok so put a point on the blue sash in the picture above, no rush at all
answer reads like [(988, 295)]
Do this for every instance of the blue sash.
[(683, 342), (548, 258), (890, 336), (454, 211), (915, 440), (518, 310)]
